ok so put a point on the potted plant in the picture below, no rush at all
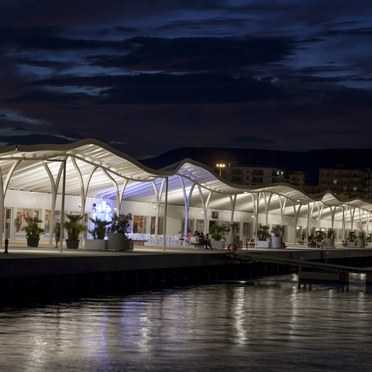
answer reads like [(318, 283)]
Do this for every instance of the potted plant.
[(369, 238), (217, 234), (118, 238), (98, 233), (311, 241), (277, 238), (319, 237), (330, 238), (74, 228), (33, 231), (263, 235), (361, 241), (351, 239)]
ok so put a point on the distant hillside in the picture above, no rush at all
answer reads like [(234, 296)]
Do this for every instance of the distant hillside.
[(308, 162)]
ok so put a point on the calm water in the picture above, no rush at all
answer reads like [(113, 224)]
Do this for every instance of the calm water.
[(271, 326)]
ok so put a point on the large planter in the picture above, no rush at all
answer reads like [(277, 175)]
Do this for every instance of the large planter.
[(72, 244), (329, 242), (276, 242), (218, 244), (33, 242), (263, 244), (128, 245), (360, 243), (95, 244), (118, 242)]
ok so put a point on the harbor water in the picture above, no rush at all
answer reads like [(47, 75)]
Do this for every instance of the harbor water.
[(267, 325)]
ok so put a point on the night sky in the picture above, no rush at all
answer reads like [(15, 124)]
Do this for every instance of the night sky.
[(150, 76)]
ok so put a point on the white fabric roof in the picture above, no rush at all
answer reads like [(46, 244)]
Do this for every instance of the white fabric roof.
[(31, 168)]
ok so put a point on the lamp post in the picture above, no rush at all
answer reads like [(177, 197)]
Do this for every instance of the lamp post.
[(220, 166)]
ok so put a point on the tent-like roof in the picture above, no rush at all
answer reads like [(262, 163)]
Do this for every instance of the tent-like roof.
[(97, 170)]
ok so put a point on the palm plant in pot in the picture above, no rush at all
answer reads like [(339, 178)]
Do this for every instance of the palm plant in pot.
[(98, 233), (351, 238), (33, 231), (277, 238), (263, 235), (74, 228), (217, 234), (368, 238), (118, 238), (319, 237), (361, 241), (330, 238)]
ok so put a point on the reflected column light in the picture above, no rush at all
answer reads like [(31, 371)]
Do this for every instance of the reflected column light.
[(240, 315)]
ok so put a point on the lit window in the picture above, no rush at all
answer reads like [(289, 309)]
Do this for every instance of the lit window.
[(335, 182)]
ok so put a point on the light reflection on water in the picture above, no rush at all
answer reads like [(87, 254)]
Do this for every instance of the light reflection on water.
[(271, 326)]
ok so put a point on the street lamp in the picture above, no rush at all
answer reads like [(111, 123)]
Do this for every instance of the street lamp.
[(220, 166)]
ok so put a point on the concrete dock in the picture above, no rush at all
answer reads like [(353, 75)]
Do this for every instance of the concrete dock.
[(36, 272), (46, 260)]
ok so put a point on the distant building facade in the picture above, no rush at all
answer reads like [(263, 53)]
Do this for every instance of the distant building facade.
[(346, 183), (295, 178), (342, 182), (250, 176)]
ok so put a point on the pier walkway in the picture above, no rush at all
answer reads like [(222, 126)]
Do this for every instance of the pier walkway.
[(19, 250)]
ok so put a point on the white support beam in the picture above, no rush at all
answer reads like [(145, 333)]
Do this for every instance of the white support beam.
[(165, 213)]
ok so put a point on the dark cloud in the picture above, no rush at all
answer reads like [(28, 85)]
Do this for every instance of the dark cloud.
[(118, 29), (191, 90), (251, 141), (198, 54), (151, 76), (45, 38), (364, 31), (42, 63), (163, 88), (354, 98), (33, 139)]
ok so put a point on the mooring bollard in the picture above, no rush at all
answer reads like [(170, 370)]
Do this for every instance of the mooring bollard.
[(6, 243)]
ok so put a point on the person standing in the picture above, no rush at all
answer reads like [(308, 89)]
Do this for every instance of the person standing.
[(207, 242), (57, 233)]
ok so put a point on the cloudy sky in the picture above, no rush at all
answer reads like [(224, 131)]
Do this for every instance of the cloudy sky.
[(150, 76)]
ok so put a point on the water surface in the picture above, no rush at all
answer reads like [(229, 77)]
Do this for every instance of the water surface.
[(270, 326)]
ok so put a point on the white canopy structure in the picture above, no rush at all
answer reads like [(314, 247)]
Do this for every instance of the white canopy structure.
[(94, 169)]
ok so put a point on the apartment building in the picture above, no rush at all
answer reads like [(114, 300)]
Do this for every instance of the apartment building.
[(249, 176), (346, 183)]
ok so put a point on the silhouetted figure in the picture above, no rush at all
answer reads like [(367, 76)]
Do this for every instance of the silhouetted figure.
[(57, 233), (207, 242)]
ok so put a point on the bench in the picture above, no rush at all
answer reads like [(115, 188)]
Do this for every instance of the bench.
[(194, 240), (196, 244)]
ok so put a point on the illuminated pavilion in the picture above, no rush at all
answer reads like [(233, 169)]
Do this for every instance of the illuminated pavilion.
[(80, 176)]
